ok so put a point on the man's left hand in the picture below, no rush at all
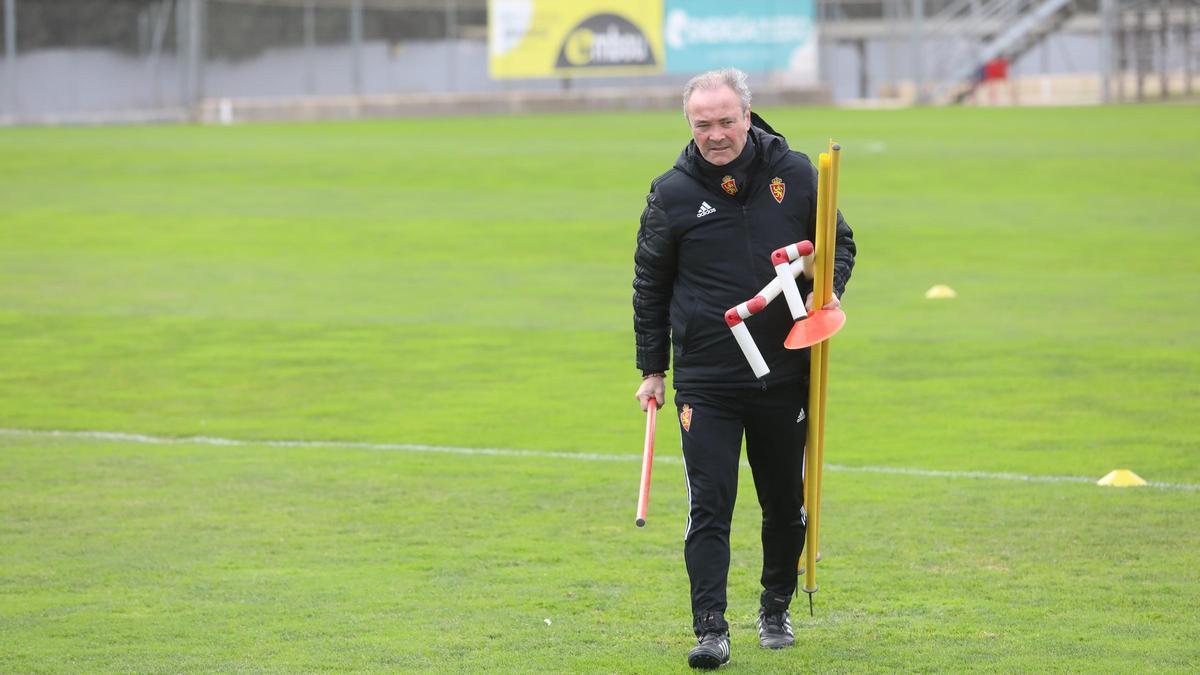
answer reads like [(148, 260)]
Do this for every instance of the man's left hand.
[(834, 303)]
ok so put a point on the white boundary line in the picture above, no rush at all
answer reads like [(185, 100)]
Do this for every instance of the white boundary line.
[(548, 454)]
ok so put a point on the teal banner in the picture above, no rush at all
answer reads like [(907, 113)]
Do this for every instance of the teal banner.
[(755, 36)]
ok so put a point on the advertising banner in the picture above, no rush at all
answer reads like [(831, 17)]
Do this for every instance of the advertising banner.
[(573, 38), (754, 35)]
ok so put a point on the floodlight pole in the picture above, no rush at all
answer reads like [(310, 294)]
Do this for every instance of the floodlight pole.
[(160, 18), (916, 42), (1106, 50), (1139, 54), (891, 17), (310, 40), (189, 29), (10, 55), (356, 36), (451, 44), (1164, 23), (1186, 34), (181, 50), (1122, 54)]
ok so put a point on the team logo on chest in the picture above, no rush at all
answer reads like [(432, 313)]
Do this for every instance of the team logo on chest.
[(777, 189), (685, 417), (729, 185)]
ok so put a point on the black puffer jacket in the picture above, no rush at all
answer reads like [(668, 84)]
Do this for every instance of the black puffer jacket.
[(694, 263)]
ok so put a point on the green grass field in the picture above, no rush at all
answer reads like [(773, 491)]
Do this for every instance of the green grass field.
[(465, 283)]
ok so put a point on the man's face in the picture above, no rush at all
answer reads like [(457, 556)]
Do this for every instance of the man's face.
[(719, 126)]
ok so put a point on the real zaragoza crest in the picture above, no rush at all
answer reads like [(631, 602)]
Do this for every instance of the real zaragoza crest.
[(777, 189), (729, 185)]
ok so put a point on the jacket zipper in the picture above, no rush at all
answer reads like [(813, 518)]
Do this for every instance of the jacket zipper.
[(750, 258), (749, 244)]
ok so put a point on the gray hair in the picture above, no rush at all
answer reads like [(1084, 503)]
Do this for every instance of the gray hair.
[(728, 77)]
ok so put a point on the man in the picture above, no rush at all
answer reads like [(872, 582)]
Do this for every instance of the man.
[(735, 194)]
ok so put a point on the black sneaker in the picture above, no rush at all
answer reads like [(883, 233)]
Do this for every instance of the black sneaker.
[(711, 651), (774, 622), (712, 642)]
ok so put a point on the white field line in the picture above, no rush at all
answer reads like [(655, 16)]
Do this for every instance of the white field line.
[(543, 454)]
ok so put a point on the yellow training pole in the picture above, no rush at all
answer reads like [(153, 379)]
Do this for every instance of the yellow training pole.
[(812, 469), (835, 153), (818, 276), (826, 236), (818, 239), (835, 156), (812, 439)]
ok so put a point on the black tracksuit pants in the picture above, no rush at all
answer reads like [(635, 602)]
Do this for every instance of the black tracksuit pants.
[(712, 423)]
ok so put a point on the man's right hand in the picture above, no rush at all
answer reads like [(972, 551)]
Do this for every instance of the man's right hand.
[(652, 388)]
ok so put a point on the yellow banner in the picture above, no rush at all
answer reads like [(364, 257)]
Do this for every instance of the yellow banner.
[(574, 38)]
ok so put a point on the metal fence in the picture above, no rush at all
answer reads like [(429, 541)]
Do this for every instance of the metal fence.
[(156, 59)]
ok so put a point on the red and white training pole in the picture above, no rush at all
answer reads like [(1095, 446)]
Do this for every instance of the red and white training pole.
[(783, 271), (647, 462), (735, 318), (789, 264)]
